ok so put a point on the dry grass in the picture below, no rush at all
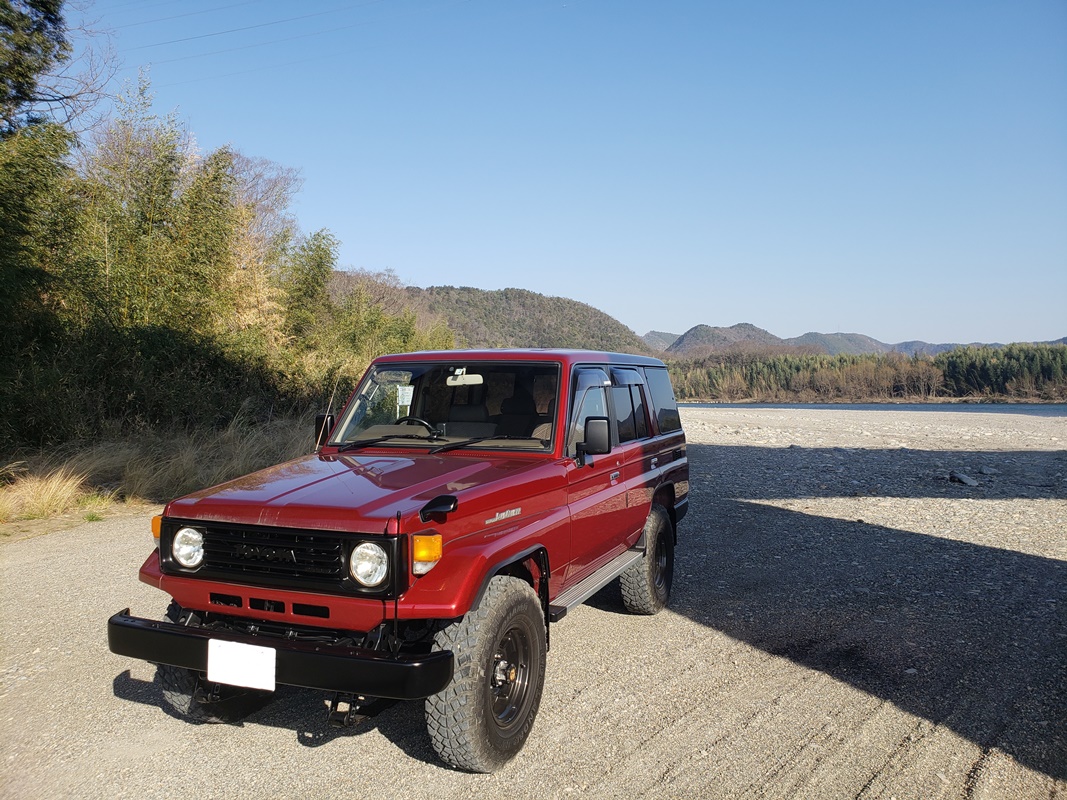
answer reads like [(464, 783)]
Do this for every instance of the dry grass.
[(37, 496), (153, 467)]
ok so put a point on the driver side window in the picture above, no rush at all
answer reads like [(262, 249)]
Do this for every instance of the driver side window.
[(593, 404)]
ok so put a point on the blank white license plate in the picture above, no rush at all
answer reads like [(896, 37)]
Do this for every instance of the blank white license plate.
[(237, 664)]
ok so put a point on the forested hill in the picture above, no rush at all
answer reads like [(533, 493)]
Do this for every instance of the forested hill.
[(701, 341), (521, 318)]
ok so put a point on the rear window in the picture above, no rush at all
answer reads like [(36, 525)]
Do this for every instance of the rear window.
[(663, 402)]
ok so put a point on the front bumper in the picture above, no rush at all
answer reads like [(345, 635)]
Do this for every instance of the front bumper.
[(335, 668)]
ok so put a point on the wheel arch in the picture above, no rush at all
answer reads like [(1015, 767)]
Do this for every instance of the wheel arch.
[(530, 565), (664, 496)]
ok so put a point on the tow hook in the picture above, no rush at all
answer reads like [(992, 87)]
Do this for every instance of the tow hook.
[(347, 710)]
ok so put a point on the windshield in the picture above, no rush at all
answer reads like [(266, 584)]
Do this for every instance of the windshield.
[(449, 405)]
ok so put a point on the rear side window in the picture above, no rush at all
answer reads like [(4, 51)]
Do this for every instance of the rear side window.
[(629, 412), (624, 413), (639, 412), (663, 402)]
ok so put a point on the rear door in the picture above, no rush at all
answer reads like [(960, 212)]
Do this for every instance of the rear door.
[(636, 451)]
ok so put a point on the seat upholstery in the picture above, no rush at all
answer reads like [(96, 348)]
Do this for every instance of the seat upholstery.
[(518, 415), (469, 420)]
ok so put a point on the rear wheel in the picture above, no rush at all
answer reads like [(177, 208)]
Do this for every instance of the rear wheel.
[(484, 716), (646, 586)]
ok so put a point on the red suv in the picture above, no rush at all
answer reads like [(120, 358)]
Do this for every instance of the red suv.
[(460, 503)]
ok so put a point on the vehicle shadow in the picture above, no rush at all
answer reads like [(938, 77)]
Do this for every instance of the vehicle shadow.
[(303, 711), (963, 634)]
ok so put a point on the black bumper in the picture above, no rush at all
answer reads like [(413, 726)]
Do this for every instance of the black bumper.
[(334, 668)]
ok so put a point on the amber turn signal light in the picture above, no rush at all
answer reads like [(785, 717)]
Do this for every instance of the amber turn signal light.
[(426, 550)]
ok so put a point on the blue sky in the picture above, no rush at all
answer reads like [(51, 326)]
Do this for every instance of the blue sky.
[(895, 169)]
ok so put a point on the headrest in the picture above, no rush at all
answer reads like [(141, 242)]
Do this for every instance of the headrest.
[(474, 412), (519, 404)]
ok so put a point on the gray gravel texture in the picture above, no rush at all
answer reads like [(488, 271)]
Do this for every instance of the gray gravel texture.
[(847, 621)]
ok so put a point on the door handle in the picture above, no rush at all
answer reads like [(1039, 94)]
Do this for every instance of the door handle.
[(655, 463)]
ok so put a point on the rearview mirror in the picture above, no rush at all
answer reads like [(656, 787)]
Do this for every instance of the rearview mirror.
[(463, 379)]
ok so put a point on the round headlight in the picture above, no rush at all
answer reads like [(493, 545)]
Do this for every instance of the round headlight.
[(188, 547), (368, 564)]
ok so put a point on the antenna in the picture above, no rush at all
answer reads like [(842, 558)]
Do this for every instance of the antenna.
[(401, 555), (328, 415)]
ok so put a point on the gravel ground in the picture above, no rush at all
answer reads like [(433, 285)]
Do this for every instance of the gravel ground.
[(851, 618)]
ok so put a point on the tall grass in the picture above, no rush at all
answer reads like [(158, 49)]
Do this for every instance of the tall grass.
[(151, 466), (30, 495)]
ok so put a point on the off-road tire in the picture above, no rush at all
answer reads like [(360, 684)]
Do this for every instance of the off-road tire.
[(192, 697), (483, 717), (187, 694), (646, 585)]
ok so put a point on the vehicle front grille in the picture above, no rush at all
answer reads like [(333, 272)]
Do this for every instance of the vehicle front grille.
[(295, 558), (271, 553)]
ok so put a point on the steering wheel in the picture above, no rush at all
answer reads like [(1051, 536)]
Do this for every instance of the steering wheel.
[(430, 428)]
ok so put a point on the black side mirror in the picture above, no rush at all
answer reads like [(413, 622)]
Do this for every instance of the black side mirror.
[(438, 508), (597, 439), (323, 426)]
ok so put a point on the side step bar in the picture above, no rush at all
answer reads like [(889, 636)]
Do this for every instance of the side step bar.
[(587, 587)]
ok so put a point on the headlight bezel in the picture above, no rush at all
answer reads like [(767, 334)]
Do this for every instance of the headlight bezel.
[(377, 557), (187, 547)]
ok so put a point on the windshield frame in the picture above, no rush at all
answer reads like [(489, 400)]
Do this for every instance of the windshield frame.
[(498, 389)]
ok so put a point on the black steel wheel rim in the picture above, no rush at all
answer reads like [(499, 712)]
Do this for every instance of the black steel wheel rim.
[(660, 566), (509, 677)]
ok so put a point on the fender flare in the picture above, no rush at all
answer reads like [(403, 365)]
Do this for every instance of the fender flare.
[(664, 495), (539, 554)]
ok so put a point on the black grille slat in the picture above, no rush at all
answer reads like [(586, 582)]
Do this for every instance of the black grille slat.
[(289, 554)]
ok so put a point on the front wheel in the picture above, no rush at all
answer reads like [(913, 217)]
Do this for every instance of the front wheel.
[(191, 696), (197, 700), (646, 586), (484, 716)]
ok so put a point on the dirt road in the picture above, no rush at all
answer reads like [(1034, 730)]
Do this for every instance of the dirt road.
[(848, 620)]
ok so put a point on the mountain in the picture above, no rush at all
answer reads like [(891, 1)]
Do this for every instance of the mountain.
[(836, 343), (521, 318), (706, 338), (916, 348), (659, 340), (702, 340)]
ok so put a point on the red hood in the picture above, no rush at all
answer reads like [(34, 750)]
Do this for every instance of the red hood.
[(356, 492)]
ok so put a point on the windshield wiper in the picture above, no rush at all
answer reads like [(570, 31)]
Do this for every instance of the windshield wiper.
[(358, 443), (456, 445)]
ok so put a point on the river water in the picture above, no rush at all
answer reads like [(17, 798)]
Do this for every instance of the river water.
[(1030, 409)]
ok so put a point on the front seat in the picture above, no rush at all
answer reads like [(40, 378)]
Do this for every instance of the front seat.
[(469, 421)]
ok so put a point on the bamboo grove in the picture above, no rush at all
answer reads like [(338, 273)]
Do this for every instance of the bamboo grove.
[(148, 284)]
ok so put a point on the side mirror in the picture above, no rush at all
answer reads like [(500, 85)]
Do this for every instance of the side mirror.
[(597, 439), (438, 508), (323, 426)]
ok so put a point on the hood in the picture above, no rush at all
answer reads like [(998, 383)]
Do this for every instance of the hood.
[(354, 492)]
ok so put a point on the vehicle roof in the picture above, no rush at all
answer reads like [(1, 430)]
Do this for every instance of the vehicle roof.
[(565, 356)]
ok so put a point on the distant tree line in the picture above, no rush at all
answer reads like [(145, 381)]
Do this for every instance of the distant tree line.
[(1019, 372)]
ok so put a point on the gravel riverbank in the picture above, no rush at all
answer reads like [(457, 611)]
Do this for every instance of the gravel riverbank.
[(867, 603)]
